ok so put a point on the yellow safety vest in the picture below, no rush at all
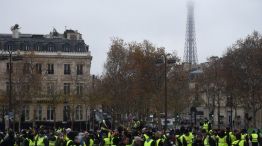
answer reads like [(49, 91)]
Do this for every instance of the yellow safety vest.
[(180, 139), (40, 141), (189, 139), (177, 139), (146, 136), (67, 143), (222, 141), (91, 142), (112, 141), (148, 142), (254, 137), (51, 143), (205, 126), (107, 141), (238, 143), (232, 137), (163, 138), (31, 143), (243, 136), (206, 141), (158, 141)]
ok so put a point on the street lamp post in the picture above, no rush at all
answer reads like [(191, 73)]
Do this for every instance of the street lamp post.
[(10, 58), (165, 128), (166, 61), (10, 88)]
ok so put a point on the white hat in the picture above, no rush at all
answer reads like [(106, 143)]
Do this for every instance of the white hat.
[(68, 130)]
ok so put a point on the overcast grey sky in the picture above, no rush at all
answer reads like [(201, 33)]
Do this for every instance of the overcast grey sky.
[(219, 23)]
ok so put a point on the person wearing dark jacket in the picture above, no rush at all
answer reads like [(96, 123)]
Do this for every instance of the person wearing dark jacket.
[(71, 135), (9, 139)]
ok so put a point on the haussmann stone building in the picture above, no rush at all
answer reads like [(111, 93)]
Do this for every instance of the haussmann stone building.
[(50, 79)]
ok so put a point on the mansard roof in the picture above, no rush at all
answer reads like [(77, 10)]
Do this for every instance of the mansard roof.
[(45, 43)]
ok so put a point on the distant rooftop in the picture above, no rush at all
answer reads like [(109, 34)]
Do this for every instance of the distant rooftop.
[(68, 41)]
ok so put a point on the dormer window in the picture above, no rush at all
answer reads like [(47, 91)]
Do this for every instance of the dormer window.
[(73, 37), (66, 48), (25, 47), (9, 46), (50, 47), (37, 47), (78, 48)]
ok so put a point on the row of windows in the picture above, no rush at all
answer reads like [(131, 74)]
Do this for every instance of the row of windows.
[(50, 111), (49, 47), (51, 88), (79, 89), (50, 68)]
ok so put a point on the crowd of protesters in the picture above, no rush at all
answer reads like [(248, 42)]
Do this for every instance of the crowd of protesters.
[(136, 135)]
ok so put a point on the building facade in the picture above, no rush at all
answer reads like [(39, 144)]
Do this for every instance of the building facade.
[(210, 103), (50, 79)]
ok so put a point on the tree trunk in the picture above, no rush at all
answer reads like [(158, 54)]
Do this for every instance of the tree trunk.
[(34, 116), (235, 126), (218, 111), (19, 121), (72, 118), (54, 117), (253, 108), (14, 119)]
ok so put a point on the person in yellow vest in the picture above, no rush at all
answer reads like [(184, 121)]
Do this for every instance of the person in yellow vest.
[(145, 136), (115, 140), (60, 141), (181, 139), (89, 139), (254, 138), (106, 139), (238, 141), (30, 138), (71, 137), (222, 138), (188, 137), (52, 139), (41, 139), (213, 138), (208, 139), (177, 136), (244, 135), (228, 136), (206, 125), (159, 139), (164, 138), (149, 141), (232, 135)]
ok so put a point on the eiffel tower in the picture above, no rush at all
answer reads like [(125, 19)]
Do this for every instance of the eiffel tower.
[(190, 50)]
